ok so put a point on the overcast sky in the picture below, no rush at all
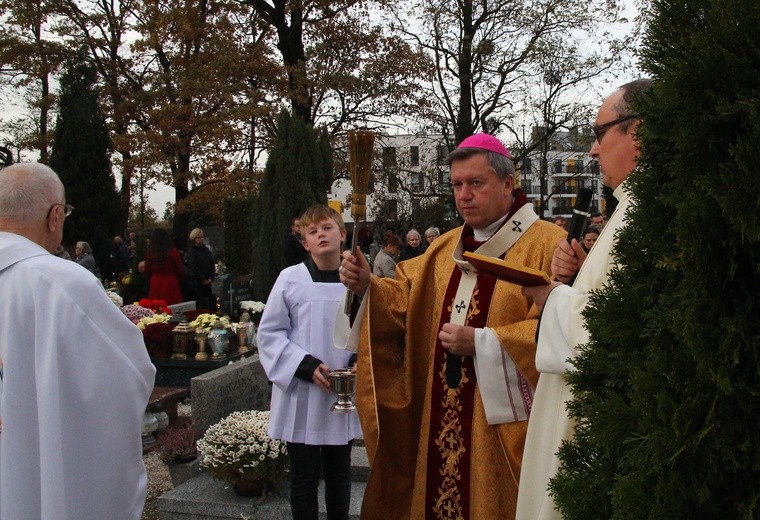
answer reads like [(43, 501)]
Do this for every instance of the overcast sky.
[(162, 194)]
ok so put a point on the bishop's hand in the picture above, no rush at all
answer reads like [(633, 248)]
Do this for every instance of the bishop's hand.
[(354, 272)]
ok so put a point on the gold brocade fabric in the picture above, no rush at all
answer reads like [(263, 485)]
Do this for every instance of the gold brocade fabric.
[(395, 374)]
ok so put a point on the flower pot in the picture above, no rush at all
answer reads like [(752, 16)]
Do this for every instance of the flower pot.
[(253, 487), (181, 472)]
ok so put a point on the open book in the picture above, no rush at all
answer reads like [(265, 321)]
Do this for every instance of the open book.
[(506, 270)]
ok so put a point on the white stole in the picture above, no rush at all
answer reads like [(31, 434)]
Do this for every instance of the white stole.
[(499, 380)]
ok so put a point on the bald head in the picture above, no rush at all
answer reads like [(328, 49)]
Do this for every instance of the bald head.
[(29, 192)]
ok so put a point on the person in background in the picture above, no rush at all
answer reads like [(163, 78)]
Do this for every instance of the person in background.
[(119, 259), (164, 268), (61, 252), (201, 263), (385, 261), (297, 353), (563, 327), (597, 219), (589, 237), (561, 222), (85, 258), (131, 244), (75, 376), (413, 246), (292, 245), (431, 234), (446, 358)]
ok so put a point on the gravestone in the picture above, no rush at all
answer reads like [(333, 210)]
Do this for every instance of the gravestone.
[(237, 387), (232, 289)]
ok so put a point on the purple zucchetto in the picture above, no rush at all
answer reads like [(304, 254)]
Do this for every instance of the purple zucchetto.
[(485, 142)]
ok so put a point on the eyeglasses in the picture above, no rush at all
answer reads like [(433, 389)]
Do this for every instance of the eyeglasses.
[(602, 129), (67, 209)]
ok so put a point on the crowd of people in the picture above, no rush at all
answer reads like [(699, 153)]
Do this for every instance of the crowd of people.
[(461, 389)]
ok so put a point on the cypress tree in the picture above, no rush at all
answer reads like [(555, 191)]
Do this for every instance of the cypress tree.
[(297, 174), (667, 392), (80, 156)]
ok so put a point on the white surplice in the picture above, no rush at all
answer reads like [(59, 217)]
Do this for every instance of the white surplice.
[(561, 330), (298, 320), (75, 382)]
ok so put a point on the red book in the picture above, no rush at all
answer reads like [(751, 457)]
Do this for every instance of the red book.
[(506, 270)]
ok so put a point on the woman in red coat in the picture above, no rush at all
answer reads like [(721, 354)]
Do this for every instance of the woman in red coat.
[(163, 267)]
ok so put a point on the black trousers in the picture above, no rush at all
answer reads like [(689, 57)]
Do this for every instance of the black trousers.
[(306, 464)]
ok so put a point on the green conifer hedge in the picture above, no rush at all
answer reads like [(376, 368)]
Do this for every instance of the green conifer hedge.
[(668, 389), (81, 157), (297, 174)]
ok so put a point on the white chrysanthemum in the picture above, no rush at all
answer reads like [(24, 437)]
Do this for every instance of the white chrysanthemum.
[(149, 320), (252, 306), (239, 446), (115, 298)]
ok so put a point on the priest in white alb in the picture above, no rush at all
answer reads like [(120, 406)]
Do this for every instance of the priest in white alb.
[(75, 376), (562, 327)]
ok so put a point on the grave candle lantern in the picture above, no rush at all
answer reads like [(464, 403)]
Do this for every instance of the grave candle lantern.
[(183, 340)]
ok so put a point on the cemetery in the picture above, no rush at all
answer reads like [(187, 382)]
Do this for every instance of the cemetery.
[(236, 387), (217, 381)]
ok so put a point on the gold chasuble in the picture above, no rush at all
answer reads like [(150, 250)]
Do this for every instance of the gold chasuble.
[(432, 450)]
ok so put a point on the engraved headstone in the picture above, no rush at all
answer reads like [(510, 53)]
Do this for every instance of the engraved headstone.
[(237, 387)]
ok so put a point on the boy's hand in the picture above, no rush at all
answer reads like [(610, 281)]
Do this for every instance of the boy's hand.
[(321, 373)]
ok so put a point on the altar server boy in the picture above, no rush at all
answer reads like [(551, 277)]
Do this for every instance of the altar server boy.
[(297, 353)]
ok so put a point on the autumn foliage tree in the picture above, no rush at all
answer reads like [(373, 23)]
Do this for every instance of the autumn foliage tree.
[(28, 59)]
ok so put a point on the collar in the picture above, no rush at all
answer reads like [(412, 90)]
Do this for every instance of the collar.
[(476, 237)]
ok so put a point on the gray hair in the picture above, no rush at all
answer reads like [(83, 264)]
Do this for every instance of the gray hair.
[(85, 247), (501, 165), (413, 232), (27, 190), (632, 91), (433, 231)]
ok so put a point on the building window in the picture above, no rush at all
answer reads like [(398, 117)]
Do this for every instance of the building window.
[(442, 152), (444, 180), (579, 166), (557, 166), (525, 168), (392, 183), (414, 156), (418, 181), (391, 209), (389, 157)]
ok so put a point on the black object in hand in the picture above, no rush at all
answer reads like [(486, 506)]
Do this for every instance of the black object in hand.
[(580, 214)]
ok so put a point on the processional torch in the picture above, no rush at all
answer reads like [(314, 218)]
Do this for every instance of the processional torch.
[(360, 154)]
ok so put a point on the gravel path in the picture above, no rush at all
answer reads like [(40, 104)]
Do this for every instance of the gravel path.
[(159, 480)]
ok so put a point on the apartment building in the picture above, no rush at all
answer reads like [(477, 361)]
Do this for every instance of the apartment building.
[(409, 173), (554, 174)]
